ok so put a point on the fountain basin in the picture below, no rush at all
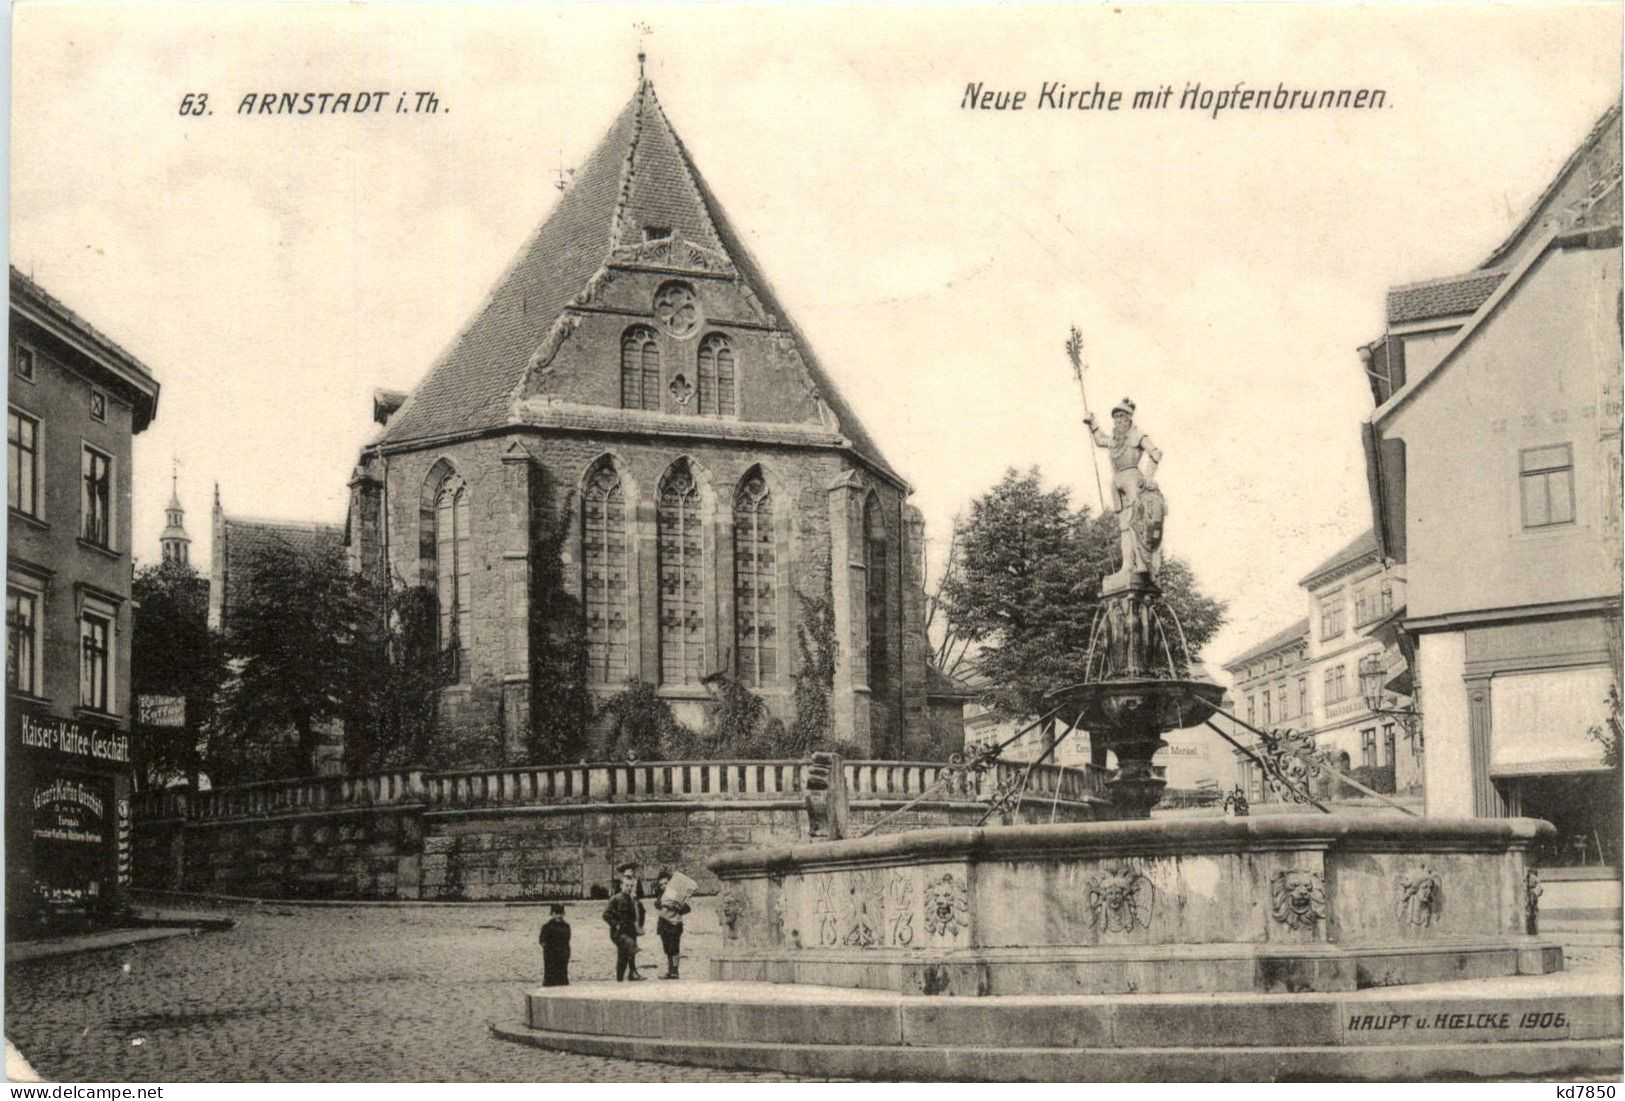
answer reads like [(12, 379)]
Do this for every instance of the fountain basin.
[(1151, 705), (1288, 904)]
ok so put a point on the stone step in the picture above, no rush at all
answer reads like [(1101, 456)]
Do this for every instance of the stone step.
[(1562, 1024), (1559, 1059)]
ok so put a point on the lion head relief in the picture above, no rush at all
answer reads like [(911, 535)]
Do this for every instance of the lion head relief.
[(1298, 898), (946, 911)]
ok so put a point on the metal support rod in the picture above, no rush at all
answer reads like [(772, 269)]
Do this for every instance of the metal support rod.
[(1035, 762), (943, 780), (1268, 770), (1349, 780)]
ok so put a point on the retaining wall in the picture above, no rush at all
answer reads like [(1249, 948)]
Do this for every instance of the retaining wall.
[(536, 833)]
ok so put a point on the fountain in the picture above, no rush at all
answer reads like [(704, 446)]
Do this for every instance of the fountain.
[(1273, 943)]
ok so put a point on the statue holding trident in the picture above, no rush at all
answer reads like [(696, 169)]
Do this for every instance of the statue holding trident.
[(1140, 507)]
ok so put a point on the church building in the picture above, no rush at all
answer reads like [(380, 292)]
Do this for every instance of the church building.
[(631, 436)]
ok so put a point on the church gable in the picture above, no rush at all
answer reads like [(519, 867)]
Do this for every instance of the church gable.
[(669, 342), (635, 300)]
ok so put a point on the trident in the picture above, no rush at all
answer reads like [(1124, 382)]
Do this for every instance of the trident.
[(1074, 352)]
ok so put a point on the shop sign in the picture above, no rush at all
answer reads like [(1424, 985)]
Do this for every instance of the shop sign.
[(68, 810), (73, 739), (162, 711)]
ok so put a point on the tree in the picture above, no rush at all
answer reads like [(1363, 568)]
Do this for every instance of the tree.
[(1025, 585), (391, 705), (292, 643), (173, 655)]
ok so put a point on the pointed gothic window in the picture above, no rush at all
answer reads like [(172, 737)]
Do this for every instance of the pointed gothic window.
[(755, 595), (682, 577), (446, 548), (604, 574), (640, 369), (874, 575), (716, 375)]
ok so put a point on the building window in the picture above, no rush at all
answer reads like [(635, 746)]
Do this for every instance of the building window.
[(453, 591), (755, 594), (716, 375), (682, 577), (640, 369), (1387, 597), (22, 462), (96, 498), (1280, 702), (1331, 618), (1368, 747), (98, 405), (656, 233), (22, 361), (1364, 607), (22, 641), (875, 591), (1266, 702), (1303, 695), (1251, 717), (1335, 685), (94, 634), (1546, 483), (604, 574), (1388, 743)]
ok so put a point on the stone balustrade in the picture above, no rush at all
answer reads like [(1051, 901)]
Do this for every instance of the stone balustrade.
[(608, 782), (542, 832)]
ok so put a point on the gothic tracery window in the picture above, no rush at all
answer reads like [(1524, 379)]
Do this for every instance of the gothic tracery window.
[(451, 574), (755, 595), (678, 537), (640, 369), (604, 574), (874, 573), (715, 368)]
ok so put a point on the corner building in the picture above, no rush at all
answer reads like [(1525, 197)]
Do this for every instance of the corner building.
[(75, 402), (632, 431)]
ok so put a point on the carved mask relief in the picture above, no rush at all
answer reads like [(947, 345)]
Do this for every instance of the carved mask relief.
[(1421, 898)]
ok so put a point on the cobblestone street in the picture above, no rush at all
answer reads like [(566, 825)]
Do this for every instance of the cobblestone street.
[(326, 994), (370, 993)]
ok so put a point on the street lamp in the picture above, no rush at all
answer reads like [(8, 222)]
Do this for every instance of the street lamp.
[(1372, 676)]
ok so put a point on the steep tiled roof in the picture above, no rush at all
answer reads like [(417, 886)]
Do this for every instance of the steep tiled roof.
[(1456, 294), (1591, 147), (639, 174), (1298, 631), (472, 385), (244, 541), (1363, 546)]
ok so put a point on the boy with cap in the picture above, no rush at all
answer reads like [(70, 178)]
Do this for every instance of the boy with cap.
[(624, 916)]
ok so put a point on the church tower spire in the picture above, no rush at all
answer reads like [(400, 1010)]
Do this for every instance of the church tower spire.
[(173, 541)]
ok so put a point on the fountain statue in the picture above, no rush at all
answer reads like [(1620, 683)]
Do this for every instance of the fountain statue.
[(1137, 683)]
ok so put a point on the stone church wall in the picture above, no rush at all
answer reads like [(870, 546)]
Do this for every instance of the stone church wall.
[(486, 715)]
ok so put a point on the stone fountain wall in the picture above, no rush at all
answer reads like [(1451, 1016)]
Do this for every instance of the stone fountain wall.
[(1123, 907)]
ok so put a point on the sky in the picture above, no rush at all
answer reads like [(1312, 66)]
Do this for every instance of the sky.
[(273, 271)]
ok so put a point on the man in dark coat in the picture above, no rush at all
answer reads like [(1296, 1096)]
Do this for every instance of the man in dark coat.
[(624, 916), (555, 942)]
